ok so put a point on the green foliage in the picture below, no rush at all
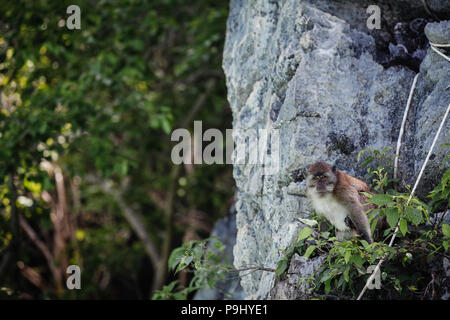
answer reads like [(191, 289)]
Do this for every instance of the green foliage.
[(102, 101), (304, 233), (203, 258), (379, 166), (172, 291), (440, 195), (397, 210)]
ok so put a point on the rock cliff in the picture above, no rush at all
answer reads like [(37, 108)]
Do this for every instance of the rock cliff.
[(313, 74)]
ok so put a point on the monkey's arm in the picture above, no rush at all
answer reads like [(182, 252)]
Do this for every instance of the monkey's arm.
[(359, 219)]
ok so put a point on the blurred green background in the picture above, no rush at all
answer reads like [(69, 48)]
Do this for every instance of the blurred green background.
[(85, 121)]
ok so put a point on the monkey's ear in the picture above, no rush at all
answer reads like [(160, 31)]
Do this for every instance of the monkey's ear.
[(334, 168)]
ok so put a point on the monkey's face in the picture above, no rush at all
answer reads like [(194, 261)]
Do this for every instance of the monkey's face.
[(321, 179)]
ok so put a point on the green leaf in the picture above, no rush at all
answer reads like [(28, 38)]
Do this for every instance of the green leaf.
[(358, 157), (211, 282), (368, 160), (281, 267), (326, 276), (373, 225), (403, 226), (357, 260), (347, 256), (325, 235), (341, 282), (166, 290), (218, 245), (308, 222), (304, 233), (165, 124), (185, 261), (346, 274), (309, 251), (364, 243), (328, 286), (381, 199), (446, 230), (175, 257), (414, 215), (197, 251), (392, 216)]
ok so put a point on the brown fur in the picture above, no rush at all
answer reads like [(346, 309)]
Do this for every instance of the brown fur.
[(319, 167), (348, 191)]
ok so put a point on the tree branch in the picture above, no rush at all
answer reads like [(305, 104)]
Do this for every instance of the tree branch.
[(167, 245), (253, 267), (42, 247), (136, 223), (198, 104)]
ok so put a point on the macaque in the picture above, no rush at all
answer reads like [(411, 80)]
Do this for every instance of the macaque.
[(337, 196)]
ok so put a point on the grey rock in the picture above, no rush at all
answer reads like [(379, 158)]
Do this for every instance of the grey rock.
[(443, 216), (441, 8), (438, 32), (297, 286), (431, 99), (446, 268), (312, 72)]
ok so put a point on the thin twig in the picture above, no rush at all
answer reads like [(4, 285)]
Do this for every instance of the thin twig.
[(402, 127), (252, 268), (198, 104), (440, 53), (133, 219), (167, 244), (42, 247)]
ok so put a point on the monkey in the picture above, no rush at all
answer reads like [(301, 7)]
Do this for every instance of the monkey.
[(337, 196)]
